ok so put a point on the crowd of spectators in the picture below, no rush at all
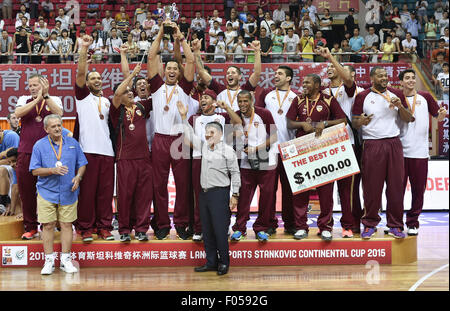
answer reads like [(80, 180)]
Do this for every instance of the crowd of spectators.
[(287, 34)]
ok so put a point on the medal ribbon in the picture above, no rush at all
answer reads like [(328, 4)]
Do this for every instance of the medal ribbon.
[(168, 99), (337, 92), (100, 106), (130, 112), (247, 132), (231, 99), (40, 109), (280, 104), (413, 108), (58, 155), (312, 109), (387, 97)]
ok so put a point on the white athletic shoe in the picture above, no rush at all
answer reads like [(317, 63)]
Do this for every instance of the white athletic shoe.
[(326, 235), (49, 267), (413, 231), (300, 234), (67, 266), (197, 237)]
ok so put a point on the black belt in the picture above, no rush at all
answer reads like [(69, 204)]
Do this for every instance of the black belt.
[(214, 188)]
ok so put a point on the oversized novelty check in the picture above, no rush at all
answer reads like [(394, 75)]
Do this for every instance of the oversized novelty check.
[(311, 162)]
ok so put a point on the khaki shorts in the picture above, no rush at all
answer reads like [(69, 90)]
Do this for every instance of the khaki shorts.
[(49, 212)]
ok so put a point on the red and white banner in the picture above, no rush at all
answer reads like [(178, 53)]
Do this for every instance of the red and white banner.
[(14, 79), (356, 252), (443, 131)]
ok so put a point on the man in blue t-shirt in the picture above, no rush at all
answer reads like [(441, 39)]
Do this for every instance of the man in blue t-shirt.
[(8, 181), (357, 45)]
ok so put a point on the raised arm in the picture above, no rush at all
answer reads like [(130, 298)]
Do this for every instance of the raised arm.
[(189, 69), (256, 75), (82, 61), (153, 58), (344, 74), (122, 88), (204, 75)]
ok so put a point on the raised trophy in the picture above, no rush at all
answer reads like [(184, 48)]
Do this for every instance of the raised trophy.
[(171, 13)]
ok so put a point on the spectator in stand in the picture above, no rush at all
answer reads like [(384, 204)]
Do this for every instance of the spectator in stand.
[(47, 9), (291, 44), (214, 18), (286, 24), (166, 49), (396, 14), (326, 27), (264, 4), (113, 45), (409, 46), (230, 38), (242, 15), (312, 10), (22, 12), (66, 45), (155, 29), (439, 9), (96, 48), (106, 22), (400, 32), (37, 48), (405, 16), (413, 26), (123, 22), (53, 48), (136, 32), (250, 28), (431, 28), (373, 58), (2, 24), (58, 28), (92, 10), (437, 69), (421, 7), (23, 45), (277, 45), (345, 47), (445, 37), (279, 16), (319, 41), (238, 50), (198, 25), (132, 48), (294, 9), (25, 26), (357, 45), (260, 15), (349, 23), (266, 46), (386, 27), (6, 47), (396, 41), (185, 27), (306, 45), (443, 80), (220, 49), (64, 19), (113, 26), (98, 27), (73, 34), (148, 25), (234, 21), (388, 48), (7, 9), (306, 21), (78, 43), (214, 33), (371, 38), (140, 14), (159, 11), (337, 49), (143, 45), (41, 27)]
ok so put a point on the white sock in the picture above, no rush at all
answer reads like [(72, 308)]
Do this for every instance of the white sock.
[(50, 257)]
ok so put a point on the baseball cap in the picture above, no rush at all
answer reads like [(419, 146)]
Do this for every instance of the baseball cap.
[(210, 93)]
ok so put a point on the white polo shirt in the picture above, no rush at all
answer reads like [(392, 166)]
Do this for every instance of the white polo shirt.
[(168, 122), (94, 132), (269, 100), (385, 122), (414, 135)]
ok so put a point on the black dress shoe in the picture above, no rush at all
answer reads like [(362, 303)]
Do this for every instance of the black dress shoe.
[(205, 268), (222, 269)]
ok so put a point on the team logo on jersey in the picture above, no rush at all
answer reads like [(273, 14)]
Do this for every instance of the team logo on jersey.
[(319, 108), (418, 102), (255, 124), (372, 102)]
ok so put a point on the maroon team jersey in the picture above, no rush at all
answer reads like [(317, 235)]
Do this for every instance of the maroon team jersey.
[(32, 130), (131, 144), (327, 108)]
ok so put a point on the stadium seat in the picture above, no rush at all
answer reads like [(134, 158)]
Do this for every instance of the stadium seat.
[(109, 7)]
